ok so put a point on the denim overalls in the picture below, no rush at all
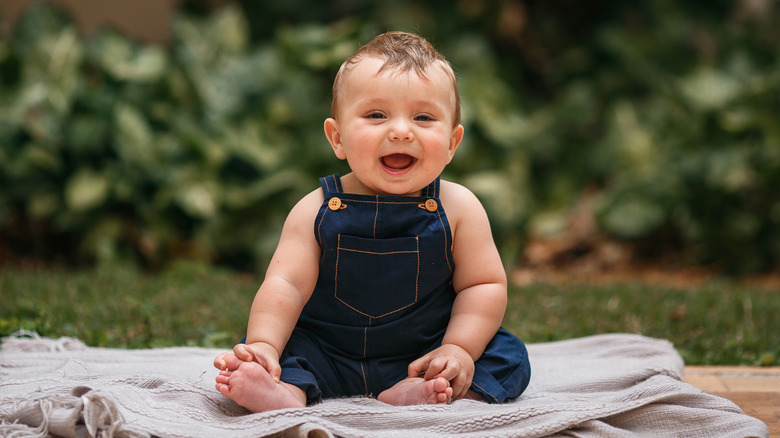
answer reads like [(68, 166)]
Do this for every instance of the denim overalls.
[(383, 299)]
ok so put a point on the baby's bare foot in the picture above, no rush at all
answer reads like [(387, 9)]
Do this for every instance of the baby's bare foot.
[(418, 391), (253, 388)]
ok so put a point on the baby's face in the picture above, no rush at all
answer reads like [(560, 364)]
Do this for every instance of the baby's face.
[(396, 130)]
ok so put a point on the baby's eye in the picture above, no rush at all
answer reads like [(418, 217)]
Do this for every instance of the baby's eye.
[(423, 118), (376, 116)]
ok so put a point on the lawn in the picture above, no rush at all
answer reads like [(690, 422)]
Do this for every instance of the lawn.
[(719, 322)]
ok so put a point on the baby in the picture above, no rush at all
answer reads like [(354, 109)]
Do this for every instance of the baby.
[(374, 290)]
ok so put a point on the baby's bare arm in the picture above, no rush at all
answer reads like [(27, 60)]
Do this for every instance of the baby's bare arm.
[(479, 278), (481, 287), (290, 278)]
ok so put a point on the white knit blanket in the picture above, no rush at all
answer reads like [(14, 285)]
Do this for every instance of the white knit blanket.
[(605, 385)]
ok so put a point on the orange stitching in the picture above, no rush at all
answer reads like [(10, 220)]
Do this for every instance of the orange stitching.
[(380, 253), (319, 229), (444, 230), (365, 383), (376, 215), (485, 391), (319, 225), (365, 338), (336, 273), (375, 316), (417, 278), (335, 280), (346, 196)]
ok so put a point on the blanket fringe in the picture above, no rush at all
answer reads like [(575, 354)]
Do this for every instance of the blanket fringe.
[(102, 417), (305, 430), (33, 419), (84, 413), (28, 341), (16, 430), (24, 430)]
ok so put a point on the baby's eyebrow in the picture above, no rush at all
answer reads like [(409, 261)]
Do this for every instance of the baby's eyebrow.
[(374, 100), (414, 103)]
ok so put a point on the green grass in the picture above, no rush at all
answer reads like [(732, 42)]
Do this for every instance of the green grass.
[(118, 306), (718, 323), (190, 304)]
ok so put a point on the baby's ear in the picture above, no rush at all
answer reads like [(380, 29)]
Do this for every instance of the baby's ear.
[(333, 133), (455, 139)]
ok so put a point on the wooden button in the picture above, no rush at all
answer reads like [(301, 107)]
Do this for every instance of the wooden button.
[(334, 203), (431, 205)]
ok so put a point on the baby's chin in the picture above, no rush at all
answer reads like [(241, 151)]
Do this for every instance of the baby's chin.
[(399, 189), (392, 185)]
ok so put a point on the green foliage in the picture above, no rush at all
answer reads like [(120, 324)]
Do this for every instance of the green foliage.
[(694, 151), (123, 150), (110, 149)]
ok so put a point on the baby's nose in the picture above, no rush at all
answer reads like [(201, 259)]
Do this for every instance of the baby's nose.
[(401, 131)]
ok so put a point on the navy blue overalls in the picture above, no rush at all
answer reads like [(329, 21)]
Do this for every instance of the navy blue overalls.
[(383, 299)]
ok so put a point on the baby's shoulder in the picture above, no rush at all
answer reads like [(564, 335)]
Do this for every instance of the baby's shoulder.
[(307, 207), (454, 194), (459, 201)]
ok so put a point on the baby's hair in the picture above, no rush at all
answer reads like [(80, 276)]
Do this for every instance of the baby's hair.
[(403, 52)]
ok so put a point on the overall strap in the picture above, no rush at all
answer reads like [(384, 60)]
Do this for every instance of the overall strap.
[(331, 184), (432, 191)]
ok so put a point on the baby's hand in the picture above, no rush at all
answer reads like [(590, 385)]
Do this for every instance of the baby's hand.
[(260, 352), (449, 361)]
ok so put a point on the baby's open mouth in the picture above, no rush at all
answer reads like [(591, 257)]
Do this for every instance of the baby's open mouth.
[(398, 161)]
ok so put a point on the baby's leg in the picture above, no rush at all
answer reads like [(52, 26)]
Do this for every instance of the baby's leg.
[(252, 387), (418, 391)]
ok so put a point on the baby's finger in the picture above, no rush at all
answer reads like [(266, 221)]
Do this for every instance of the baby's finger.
[(274, 369), (242, 352), (442, 367), (450, 370), (418, 366), (269, 362), (460, 386)]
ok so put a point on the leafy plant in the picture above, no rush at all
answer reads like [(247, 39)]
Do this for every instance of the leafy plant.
[(117, 150), (665, 111)]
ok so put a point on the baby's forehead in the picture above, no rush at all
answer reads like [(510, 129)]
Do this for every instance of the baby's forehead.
[(393, 67)]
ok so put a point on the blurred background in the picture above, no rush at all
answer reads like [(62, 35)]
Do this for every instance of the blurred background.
[(599, 134)]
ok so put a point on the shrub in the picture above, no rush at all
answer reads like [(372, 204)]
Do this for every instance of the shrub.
[(666, 111)]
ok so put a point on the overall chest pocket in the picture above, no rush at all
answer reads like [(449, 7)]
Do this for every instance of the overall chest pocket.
[(377, 277)]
